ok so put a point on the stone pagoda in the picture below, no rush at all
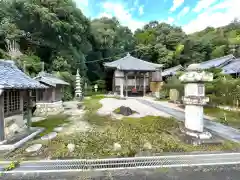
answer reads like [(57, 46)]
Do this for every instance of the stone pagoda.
[(78, 90), (194, 100)]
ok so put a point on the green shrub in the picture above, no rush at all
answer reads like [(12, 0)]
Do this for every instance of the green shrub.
[(173, 83), (67, 95), (101, 85), (224, 91)]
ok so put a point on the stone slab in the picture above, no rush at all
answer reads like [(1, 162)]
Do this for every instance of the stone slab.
[(34, 148), (49, 136), (58, 129)]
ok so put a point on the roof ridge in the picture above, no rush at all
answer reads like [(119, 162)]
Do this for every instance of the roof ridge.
[(173, 67), (229, 55), (7, 62)]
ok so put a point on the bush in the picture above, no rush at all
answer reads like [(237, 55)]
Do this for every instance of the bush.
[(224, 91), (101, 85), (173, 83), (67, 95)]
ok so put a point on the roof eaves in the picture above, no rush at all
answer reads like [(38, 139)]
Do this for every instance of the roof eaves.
[(46, 81), (210, 63), (12, 77), (172, 70)]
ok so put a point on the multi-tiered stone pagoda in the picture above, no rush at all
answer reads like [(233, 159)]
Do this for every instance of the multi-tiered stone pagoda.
[(78, 90)]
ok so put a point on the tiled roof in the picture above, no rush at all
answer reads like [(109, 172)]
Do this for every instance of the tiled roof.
[(232, 68), (171, 71), (50, 79), (12, 77), (218, 62), (129, 63)]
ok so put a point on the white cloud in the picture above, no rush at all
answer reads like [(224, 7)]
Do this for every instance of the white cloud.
[(218, 15), (122, 14), (141, 11), (203, 4), (176, 4), (183, 12), (83, 5), (104, 14), (170, 20)]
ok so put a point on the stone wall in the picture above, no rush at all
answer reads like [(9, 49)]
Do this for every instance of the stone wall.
[(45, 109), (13, 125)]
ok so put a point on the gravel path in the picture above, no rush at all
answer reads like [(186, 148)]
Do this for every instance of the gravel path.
[(110, 104), (77, 124), (170, 105), (221, 130)]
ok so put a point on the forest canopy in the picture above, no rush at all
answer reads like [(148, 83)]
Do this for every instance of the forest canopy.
[(57, 33)]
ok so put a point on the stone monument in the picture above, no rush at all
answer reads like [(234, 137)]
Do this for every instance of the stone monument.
[(78, 90), (194, 100)]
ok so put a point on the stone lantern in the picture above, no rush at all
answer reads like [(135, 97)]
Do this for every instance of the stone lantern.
[(96, 87), (194, 100)]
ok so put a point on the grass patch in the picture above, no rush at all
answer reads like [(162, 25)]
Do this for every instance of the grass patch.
[(117, 111), (162, 99), (51, 122), (230, 118), (131, 133)]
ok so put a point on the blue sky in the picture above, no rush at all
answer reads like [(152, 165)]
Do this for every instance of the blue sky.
[(191, 15)]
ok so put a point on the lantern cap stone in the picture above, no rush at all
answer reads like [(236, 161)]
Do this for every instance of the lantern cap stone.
[(193, 67), (195, 76)]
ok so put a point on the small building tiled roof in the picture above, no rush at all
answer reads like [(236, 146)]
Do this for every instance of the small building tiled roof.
[(232, 68), (218, 62), (171, 71), (129, 63), (13, 78), (50, 79)]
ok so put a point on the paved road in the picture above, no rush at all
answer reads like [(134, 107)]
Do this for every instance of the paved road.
[(187, 173), (216, 128)]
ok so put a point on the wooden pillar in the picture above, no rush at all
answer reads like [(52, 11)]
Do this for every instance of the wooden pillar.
[(21, 100), (29, 109), (53, 94), (113, 83), (135, 81), (126, 84), (121, 87), (144, 84), (2, 133)]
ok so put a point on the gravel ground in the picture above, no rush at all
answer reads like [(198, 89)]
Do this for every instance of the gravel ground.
[(77, 124), (228, 172), (110, 104), (170, 105)]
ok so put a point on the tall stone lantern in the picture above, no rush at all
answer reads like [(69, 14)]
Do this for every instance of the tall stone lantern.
[(194, 100)]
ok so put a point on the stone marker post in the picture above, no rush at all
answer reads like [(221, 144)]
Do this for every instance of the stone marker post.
[(194, 100), (96, 87)]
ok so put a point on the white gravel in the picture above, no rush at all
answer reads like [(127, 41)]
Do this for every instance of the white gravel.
[(110, 104)]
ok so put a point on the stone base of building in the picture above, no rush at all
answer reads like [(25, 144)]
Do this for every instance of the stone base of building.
[(19, 139), (46, 109), (199, 138), (13, 125)]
